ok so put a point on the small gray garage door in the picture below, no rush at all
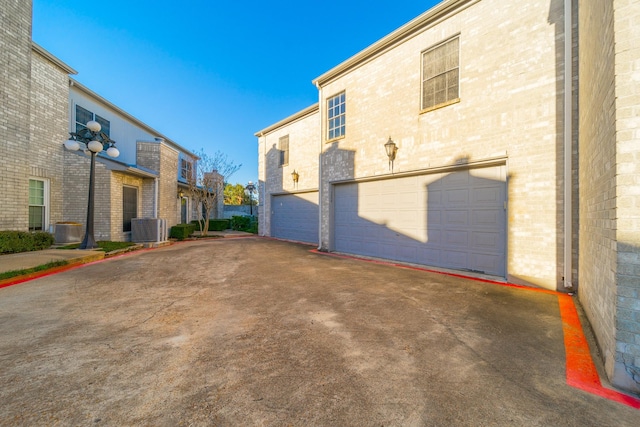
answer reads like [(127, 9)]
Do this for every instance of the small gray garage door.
[(295, 217), (454, 220)]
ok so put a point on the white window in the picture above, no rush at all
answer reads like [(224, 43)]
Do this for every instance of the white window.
[(440, 74), (336, 114), (83, 116), (283, 146), (186, 169), (38, 204)]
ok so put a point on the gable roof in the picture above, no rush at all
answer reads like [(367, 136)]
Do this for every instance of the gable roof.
[(159, 137), (292, 118), (428, 19)]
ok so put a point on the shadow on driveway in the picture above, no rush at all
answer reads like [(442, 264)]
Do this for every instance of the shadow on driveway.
[(261, 332)]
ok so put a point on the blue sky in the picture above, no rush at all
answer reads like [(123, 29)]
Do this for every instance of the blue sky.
[(209, 74)]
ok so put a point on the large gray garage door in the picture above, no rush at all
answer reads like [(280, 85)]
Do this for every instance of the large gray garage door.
[(295, 217), (454, 220)]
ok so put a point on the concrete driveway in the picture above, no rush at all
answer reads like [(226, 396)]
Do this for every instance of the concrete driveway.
[(260, 332)]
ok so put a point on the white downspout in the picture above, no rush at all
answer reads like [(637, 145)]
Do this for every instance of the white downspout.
[(568, 146), (155, 197), (320, 192)]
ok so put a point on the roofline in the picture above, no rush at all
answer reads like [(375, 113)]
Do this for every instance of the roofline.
[(42, 51), (293, 118), (408, 30), (86, 90)]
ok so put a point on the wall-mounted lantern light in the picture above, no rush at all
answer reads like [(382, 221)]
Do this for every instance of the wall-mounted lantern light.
[(180, 194), (391, 150), (296, 176)]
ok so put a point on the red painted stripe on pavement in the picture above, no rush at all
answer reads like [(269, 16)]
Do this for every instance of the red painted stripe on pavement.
[(580, 368), (581, 371)]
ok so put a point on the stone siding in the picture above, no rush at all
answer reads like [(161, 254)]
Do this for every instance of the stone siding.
[(49, 123), (76, 193), (15, 106), (304, 151), (511, 107), (610, 183)]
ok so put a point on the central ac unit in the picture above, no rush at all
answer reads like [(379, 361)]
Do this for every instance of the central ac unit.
[(148, 230)]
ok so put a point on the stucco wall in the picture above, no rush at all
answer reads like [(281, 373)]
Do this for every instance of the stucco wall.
[(511, 107)]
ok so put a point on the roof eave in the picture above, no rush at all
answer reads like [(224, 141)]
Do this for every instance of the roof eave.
[(292, 118), (428, 18)]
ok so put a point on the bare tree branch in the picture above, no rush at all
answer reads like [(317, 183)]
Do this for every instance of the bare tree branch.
[(206, 184)]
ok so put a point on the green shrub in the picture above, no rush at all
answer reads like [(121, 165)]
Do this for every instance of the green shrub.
[(218, 224), (12, 242), (214, 224), (182, 231), (42, 240), (245, 223)]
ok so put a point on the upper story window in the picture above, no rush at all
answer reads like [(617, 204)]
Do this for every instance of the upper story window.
[(336, 116), (83, 116), (186, 169), (283, 147), (440, 74)]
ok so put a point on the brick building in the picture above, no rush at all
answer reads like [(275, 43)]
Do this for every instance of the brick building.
[(499, 166), (42, 183)]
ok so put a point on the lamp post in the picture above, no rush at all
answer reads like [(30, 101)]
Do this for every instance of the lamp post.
[(94, 141), (250, 188)]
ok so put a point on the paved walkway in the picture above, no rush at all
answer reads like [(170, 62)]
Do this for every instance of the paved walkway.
[(26, 260), (261, 332)]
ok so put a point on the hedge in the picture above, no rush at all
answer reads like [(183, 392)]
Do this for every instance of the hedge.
[(182, 231), (214, 224), (12, 242), (245, 223)]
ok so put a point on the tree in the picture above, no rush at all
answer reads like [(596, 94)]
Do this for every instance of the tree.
[(234, 195), (206, 183)]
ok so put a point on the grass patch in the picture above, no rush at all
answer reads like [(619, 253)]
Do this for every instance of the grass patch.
[(16, 273), (103, 245)]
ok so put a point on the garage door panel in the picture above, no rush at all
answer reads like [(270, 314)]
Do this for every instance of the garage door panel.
[(458, 218), (486, 217), (459, 196), (454, 220), (295, 216), (456, 238), (455, 259)]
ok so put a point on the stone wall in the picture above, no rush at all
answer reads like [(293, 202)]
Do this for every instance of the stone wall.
[(303, 130), (511, 107), (76, 193), (15, 106), (610, 183), (49, 123)]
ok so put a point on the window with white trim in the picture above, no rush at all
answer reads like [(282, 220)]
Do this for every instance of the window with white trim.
[(186, 169), (83, 116), (283, 147), (441, 74), (38, 204), (336, 114)]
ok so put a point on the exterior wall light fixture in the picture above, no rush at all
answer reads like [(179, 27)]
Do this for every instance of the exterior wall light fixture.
[(95, 142), (180, 194), (391, 149), (296, 176)]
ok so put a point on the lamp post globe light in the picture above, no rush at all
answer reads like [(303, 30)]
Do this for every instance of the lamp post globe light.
[(250, 188), (95, 142)]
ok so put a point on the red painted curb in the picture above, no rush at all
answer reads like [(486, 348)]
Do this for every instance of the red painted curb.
[(580, 368)]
